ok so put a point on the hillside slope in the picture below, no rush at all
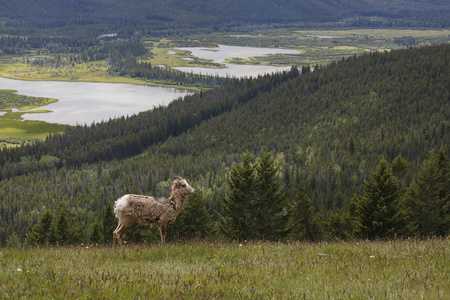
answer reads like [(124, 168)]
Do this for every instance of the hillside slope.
[(120, 15), (328, 129)]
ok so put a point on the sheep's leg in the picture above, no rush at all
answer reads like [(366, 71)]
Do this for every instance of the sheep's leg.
[(117, 235), (162, 230)]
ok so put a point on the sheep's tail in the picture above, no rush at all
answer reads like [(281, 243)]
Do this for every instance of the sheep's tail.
[(120, 205)]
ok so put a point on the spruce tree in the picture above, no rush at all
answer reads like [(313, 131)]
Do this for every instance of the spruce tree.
[(194, 220), (44, 227), (237, 202), (109, 223), (427, 199), (95, 235), (40, 232), (62, 224), (268, 220), (378, 208), (302, 224)]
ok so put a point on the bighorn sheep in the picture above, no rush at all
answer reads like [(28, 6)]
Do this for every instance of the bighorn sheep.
[(159, 211)]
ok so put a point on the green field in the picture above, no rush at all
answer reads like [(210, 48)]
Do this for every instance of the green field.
[(13, 129), (401, 269)]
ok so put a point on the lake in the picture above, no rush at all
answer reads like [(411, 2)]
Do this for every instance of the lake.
[(87, 102), (222, 52)]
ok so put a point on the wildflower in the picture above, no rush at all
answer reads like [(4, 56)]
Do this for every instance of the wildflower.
[(19, 270), (372, 256)]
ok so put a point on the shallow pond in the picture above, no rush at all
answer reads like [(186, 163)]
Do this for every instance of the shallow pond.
[(222, 52), (88, 102)]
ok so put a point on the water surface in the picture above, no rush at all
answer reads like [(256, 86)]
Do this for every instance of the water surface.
[(88, 102), (222, 52)]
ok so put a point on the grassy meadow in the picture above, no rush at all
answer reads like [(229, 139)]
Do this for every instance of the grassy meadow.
[(13, 129), (398, 269)]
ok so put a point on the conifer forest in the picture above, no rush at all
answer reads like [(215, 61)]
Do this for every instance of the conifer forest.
[(357, 148)]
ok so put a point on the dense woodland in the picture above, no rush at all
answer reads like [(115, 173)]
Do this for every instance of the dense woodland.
[(176, 16), (358, 148)]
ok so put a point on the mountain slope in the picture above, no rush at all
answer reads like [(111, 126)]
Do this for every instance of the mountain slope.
[(328, 129), (119, 15)]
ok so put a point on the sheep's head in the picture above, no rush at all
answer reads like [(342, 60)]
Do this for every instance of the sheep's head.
[(182, 186)]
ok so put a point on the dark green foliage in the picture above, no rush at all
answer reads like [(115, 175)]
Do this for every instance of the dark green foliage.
[(237, 206), (255, 205), (39, 233), (124, 137), (269, 203), (379, 208), (302, 223), (56, 228), (97, 17), (194, 220), (95, 236), (109, 223), (329, 129), (427, 200)]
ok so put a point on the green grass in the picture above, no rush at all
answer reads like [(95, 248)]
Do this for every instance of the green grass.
[(13, 129), (410, 269)]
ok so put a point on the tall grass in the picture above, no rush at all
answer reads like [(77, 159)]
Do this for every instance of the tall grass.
[(409, 269)]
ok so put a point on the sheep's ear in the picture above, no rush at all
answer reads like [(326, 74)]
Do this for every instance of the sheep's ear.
[(177, 177)]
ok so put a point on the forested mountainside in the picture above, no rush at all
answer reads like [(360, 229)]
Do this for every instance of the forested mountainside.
[(98, 16), (327, 129)]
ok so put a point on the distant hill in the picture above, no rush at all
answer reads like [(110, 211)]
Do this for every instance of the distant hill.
[(328, 129), (156, 16)]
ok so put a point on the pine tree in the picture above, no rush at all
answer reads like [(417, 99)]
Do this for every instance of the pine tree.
[(109, 223), (427, 199), (378, 208), (237, 203), (268, 220), (95, 235), (302, 224), (39, 233), (399, 169), (194, 220), (62, 224)]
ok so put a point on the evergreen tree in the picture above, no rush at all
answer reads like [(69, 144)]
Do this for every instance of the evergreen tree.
[(39, 233), (237, 203), (109, 223), (194, 220), (399, 169), (378, 208), (95, 235), (268, 219), (44, 226), (427, 199), (302, 224), (62, 224)]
